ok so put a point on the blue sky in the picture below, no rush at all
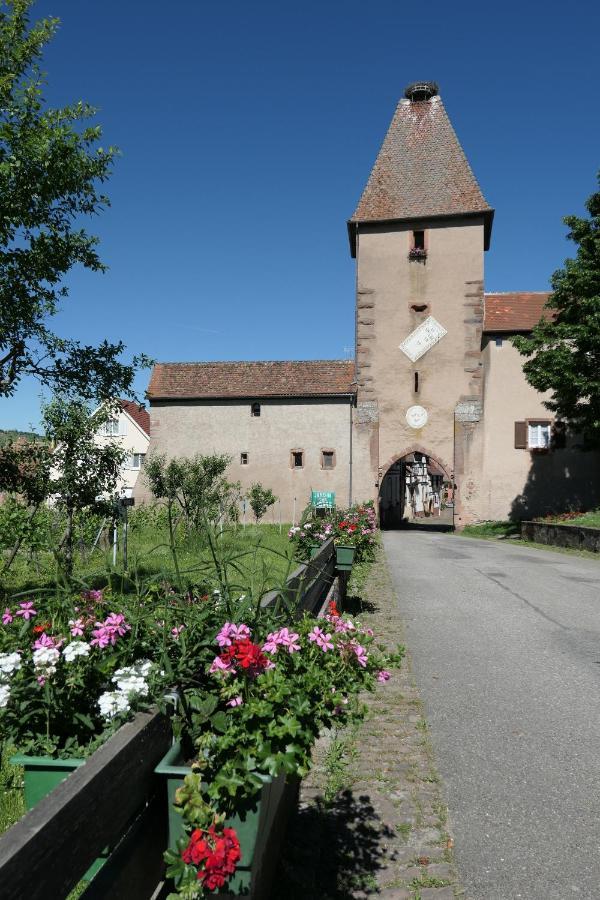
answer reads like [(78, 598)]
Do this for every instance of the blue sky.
[(248, 130)]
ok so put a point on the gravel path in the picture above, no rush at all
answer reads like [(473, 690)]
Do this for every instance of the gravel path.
[(505, 643)]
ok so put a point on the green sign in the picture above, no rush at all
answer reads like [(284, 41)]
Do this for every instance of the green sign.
[(322, 499)]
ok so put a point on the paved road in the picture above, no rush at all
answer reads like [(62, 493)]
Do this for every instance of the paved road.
[(506, 650)]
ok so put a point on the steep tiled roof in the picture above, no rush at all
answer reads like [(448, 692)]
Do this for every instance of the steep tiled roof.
[(171, 381), (137, 413), (421, 170), (518, 311)]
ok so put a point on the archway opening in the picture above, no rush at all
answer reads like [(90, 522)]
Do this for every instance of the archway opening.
[(416, 492)]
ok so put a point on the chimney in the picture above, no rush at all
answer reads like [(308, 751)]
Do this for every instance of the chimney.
[(421, 90)]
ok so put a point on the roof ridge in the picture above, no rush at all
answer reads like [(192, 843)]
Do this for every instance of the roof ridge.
[(251, 362)]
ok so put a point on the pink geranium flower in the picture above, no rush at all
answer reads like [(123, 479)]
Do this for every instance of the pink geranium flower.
[(26, 610), (175, 632), (7, 616), (383, 676), (237, 701), (219, 665), (321, 639), (46, 641), (77, 626)]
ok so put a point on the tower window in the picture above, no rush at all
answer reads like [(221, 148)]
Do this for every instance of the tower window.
[(418, 249), (328, 459), (297, 459), (255, 409), (498, 341), (416, 385), (243, 459)]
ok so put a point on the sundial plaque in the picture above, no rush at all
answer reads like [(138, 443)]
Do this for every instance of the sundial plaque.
[(422, 338)]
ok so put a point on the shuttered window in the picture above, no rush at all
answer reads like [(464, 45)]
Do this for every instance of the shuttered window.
[(533, 434), (538, 435)]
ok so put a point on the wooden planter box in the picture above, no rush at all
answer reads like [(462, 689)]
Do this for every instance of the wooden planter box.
[(260, 827), (109, 801)]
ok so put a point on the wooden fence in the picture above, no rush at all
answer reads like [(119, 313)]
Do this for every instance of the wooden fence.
[(116, 801)]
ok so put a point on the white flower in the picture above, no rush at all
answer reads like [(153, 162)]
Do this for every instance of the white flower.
[(9, 663), (75, 649), (45, 659), (4, 695), (112, 703), (132, 679)]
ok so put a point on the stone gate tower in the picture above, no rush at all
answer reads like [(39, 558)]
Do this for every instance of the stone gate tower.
[(418, 235)]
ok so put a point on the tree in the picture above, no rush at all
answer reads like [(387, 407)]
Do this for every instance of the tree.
[(564, 348), (24, 480), (82, 469), (51, 169), (196, 485), (261, 499)]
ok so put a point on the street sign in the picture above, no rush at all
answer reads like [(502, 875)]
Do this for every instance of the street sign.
[(322, 499)]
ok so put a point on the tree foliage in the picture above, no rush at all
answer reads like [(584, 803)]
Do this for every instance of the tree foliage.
[(564, 348), (51, 172), (83, 470), (260, 499), (197, 486)]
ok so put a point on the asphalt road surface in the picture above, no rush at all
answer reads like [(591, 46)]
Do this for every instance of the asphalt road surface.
[(505, 644)]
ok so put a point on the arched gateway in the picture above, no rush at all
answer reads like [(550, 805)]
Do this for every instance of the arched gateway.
[(415, 488)]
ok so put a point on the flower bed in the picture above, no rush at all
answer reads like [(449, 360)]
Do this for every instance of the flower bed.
[(354, 527), (252, 690)]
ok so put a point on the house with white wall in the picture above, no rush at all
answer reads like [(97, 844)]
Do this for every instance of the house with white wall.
[(130, 429)]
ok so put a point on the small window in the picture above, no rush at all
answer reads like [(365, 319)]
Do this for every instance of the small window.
[(243, 459), (416, 383), (419, 240), (498, 341), (255, 409), (539, 435), (110, 428), (135, 460), (327, 459), (297, 459)]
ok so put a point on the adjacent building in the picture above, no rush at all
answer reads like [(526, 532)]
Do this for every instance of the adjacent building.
[(435, 410), (130, 429)]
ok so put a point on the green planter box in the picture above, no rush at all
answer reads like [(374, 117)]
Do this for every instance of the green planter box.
[(260, 827), (41, 775), (314, 550), (344, 557)]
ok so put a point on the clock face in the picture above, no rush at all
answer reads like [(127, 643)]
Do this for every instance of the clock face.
[(416, 416)]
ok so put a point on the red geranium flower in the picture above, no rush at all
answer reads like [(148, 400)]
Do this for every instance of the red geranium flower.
[(214, 853), (39, 629), (247, 655)]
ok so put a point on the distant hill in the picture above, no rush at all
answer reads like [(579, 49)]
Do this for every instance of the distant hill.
[(6, 436)]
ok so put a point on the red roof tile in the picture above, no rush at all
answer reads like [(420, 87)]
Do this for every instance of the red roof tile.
[(421, 170), (137, 413), (515, 311), (171, 381)]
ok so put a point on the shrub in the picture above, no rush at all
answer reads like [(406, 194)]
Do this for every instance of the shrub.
[(261, 499)]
